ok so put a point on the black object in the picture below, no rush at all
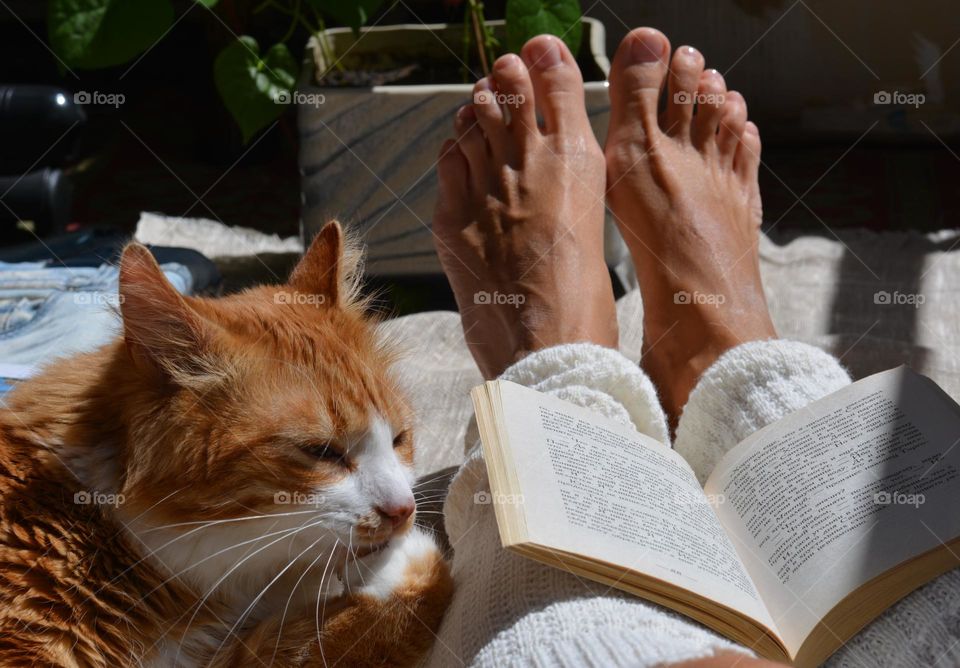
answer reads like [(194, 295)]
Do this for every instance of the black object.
[(33, 123), (43, 196), (91, 248)]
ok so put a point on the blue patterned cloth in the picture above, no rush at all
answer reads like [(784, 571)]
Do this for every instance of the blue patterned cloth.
[(48, 312)]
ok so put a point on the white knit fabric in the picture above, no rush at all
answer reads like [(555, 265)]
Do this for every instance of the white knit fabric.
[(748, 388), (511, 611)]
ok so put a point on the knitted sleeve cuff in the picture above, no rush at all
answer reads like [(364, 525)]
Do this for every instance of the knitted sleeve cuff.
[(509, 610), (597, 378), (585, 374), (746, 389)]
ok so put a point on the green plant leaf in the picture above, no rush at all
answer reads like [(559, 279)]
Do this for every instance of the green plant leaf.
[(529, 18), (91, 34), (352, 13), (256, 90)]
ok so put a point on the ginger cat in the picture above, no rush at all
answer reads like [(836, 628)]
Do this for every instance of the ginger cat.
[(228, 483)]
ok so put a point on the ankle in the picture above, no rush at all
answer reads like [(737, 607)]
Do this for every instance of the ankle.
[(677, 360), (592, 321)]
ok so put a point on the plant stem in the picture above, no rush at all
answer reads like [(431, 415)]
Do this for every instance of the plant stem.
[(320, 38), (296, 19), (476, 18)]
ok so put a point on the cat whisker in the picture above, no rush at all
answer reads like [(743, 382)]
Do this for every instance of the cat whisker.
[(323, 578), (428, 490), (257, 598), (179, 396), (223, 577), (289, 531), (438, 476), (229, 519), (172, 624), (424, 495), (173, 493), (426, 502), (350, 552), (152, 552), (346, 562), (293, 591)]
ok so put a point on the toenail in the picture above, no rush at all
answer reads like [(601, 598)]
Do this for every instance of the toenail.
[(545, 54), (647, 47), (689, 52), (507, 61), (466, 113)]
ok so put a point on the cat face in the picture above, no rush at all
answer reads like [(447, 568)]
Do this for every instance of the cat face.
[(269, 415)]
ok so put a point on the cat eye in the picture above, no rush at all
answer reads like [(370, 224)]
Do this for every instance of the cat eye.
[(400, 438), (325, 452)]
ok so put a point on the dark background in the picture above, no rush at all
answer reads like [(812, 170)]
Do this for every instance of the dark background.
[(173, 148)]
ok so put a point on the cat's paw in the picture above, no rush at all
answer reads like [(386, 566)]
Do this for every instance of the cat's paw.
[(411, 560), (403, 592)]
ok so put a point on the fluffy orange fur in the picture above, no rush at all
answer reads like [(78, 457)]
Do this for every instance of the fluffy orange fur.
[(200, 412)]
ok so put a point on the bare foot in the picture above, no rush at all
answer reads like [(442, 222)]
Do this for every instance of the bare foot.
[(519, 217), (683, 187)]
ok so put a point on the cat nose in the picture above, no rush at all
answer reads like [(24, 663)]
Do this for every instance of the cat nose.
[(397, 513)]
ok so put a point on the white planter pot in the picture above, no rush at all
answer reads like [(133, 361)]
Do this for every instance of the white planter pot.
[(367, 155)]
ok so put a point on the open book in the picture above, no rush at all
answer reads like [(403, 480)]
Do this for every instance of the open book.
[(805, 531)]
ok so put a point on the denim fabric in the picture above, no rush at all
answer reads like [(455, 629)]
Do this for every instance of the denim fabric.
[(48, 312)]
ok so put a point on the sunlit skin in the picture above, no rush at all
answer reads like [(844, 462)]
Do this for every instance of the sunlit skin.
[(683, 187), (520, 211)]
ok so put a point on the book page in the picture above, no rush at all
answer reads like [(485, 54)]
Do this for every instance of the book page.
[(829, 497), (594, 487)]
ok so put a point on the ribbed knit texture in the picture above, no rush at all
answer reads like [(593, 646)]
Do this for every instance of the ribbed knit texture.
[(747, 388), (511, 611)]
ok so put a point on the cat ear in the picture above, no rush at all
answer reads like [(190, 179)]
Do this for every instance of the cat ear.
[(159, 326), (320, 271)]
